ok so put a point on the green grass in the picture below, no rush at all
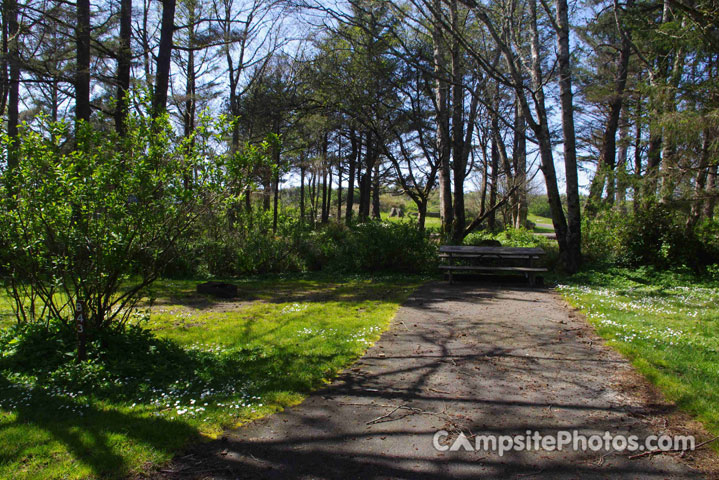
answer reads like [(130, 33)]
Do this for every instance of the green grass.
[(667, 324), (544, 220), (537, 219), (209, 366), (430, 223)]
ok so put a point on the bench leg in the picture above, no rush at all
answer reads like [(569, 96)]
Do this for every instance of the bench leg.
[(449, 272), (531, 278)]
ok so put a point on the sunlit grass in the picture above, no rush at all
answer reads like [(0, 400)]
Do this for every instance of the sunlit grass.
[(667, 325), (543, 220), (430, 223), (223, 363)]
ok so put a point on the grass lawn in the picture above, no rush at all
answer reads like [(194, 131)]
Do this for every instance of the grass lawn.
[(544, 220), (430, 223), (666, 324), (210, 365)]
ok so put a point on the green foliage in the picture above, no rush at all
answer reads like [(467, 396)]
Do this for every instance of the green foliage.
[(511, 237), (653, 235), (80, 222), (379, 246), (194, 368), (251, 247), (518, 237), (539, 205)]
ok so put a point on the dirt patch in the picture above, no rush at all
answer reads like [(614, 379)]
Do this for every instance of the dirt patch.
[(470, 359)]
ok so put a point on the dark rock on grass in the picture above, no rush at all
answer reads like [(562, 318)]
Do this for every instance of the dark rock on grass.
[(218, 289), (488, 242)]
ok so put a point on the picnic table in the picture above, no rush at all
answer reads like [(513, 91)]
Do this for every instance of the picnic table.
[(466, 258)]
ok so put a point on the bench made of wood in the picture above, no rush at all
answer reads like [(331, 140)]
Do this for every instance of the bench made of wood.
[(499, 255)]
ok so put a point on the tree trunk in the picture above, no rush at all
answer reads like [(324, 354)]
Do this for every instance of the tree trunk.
[(607, 154), (124, 64), (190, 90), (574, 234), (540, 125), (541, 132), (313, 198), (442, 119), (358, 176), (164, 58), (329, 193), (276, 160), (323, 206), (302, 188), (621, 177), (637, 185), (654, 158), (458, 159), (13, 104), (656, 82), (483, 189), (519, 155), (366, 179), (266, 192), (375, 193), (670, 176), (82, 68), (701, 181), (7, 12), (339, 185), (493, 179), (276, 203), (354, 154), (145, 40), (712, 189)]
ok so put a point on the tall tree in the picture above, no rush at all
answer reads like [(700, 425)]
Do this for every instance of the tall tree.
[(11, 34), (82, 67), (164, 57), (124, 65)]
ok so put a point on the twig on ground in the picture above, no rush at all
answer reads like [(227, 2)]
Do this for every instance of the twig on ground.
[(438, 391), (681, 451), (531, 474), (444, 416), (382, 417)]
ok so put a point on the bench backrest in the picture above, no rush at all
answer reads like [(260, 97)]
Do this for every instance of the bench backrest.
[(499, 251)]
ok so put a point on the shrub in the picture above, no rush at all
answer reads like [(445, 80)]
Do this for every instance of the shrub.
[(539, 206), (94, 225), (511, 237), (380, 246), (654, 235)]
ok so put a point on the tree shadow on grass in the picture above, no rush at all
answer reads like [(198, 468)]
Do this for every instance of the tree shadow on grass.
[(83, 408), (91, 439)]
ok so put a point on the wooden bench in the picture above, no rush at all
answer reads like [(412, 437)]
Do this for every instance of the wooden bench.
[(491, 259)]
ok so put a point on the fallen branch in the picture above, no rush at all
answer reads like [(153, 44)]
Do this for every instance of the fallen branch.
[(444, 416)]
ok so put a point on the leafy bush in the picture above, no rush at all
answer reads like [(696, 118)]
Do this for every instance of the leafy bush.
[(654, 235), (518, 237), (539, 206), (92, 226), (363, 247), (511, 237), (379, 246)]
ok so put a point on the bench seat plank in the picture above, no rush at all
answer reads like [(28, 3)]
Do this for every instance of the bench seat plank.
[(486, 268)]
